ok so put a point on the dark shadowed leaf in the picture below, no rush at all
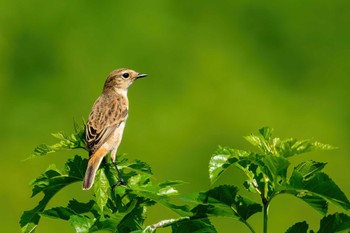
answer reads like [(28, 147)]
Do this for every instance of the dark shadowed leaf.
[(193, 226), (300, 227), (49, 183), (79, 207), (338, 222), (76, 167), (58, 212), (225, 202)]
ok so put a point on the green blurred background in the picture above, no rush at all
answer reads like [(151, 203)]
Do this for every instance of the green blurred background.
[(217, 71)]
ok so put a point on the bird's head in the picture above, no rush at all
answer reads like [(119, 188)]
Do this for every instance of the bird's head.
[(121, 79)]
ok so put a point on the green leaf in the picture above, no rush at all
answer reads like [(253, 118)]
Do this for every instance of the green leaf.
[(290, 147), (193, 226), (80, 223), (134, 216), (29, 228), (266, 133), (76, 167), (247, 207), (79, 207), (58, 212), (307, 181), (140, 167), (109, 224), (262, 140), (159, 193), (73, 141), (222, 159), (286, 147), (162, 224), (300, 227), (101, 189), (308, 168), (49, 183), (335, 223), (223, 201)]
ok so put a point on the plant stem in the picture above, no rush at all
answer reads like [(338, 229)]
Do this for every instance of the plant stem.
[(249, 226), (266, 209)]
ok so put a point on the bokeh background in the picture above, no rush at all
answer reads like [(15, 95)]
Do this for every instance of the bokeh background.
[(217, 71)]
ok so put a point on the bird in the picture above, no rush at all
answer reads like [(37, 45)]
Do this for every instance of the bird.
[(106, 122)]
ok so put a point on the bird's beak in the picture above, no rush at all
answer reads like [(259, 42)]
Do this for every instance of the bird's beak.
[(141, 75)]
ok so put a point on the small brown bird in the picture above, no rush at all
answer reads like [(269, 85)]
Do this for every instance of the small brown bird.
[(105, 126)]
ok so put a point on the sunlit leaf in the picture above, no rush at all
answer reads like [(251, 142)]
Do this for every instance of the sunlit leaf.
[(101, 189), (80, 223), (66, 142), (161, 224), (290, 147), (160, 193), (311, 185), (222, 159)]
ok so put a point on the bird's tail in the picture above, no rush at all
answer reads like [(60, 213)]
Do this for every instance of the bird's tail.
[(93, 164)]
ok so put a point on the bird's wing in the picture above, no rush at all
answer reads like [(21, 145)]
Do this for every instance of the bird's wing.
[(108, 112)]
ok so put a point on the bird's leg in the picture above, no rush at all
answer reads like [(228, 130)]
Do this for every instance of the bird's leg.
[(120, 177)]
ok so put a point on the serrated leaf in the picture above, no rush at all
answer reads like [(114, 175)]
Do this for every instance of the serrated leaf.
[(262, 170), (58, 212), (308, 168), (224, 201), (335, 223), (29, 228), (73, 141), (109, 224), (140, 167), (266, 133), (311, 186), (134, 217), (162, 224), (80, 223), (49, 183), (222, 159), (193, 226), (159, 193), (300, 227), (290, 147), (273, 166), (79, 207), (247, 207), (76, 167), (259, 142), (101, 189)]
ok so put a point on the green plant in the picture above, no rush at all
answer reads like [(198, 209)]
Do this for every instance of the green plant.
[(124, 208)]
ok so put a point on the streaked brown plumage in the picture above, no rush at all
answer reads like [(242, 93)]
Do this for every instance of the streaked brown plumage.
[(105, 126)]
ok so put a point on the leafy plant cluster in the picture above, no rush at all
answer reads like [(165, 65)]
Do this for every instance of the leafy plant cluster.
[(124, 208)]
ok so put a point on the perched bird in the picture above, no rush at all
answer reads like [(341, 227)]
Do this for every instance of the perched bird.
[(105, 126)]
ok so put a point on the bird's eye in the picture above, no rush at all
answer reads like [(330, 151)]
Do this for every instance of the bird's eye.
[(126, 75)]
